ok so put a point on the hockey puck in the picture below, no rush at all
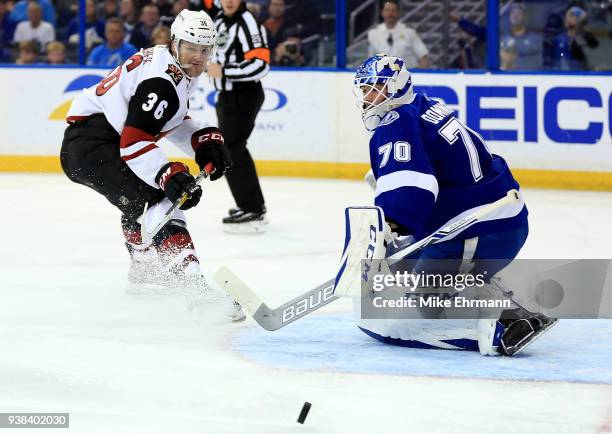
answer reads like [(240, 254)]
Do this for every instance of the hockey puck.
[(304, 412)]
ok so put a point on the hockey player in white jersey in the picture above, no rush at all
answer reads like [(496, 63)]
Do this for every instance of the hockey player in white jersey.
[(111, 146), (429, 170)]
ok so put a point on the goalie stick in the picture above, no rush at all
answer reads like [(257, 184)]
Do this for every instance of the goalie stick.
[(322, 295), (147, 236)]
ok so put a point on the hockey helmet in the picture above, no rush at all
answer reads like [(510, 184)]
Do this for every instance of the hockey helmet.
[(193, 26), (394, 87)]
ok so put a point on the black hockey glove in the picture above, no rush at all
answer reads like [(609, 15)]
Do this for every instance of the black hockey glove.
[(174, 179), (209, 147)]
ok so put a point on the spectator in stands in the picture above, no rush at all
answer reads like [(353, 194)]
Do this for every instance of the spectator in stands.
[(289, 53), (28, 53), (129, 14), (276, 24), (20, 11), (7, 27), (478, 31), (94, 28), (108, 9), (6, 32), (528, 44), (177, 7), (507, 54), (66, 10), (472, 43), (56, 53), (304, 18), (115, 51), (164, 7), (570, 47), (160, 36), (149, 20), (471, 53), (396, 39), (35, 28)]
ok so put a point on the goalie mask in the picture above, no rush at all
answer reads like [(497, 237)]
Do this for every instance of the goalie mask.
[(381, 83), (195, 28)]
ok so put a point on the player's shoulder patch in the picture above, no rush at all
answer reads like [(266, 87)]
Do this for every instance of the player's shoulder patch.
[(390, 117), (175, 73)]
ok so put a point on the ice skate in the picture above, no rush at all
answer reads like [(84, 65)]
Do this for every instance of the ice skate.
[(243, 222), (522, 328)]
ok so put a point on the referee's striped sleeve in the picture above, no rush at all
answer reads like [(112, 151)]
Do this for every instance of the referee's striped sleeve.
[(249, 70), (254, 42)]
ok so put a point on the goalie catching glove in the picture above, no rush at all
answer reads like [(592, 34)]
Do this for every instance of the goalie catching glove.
[(209, 147), (174, 179)]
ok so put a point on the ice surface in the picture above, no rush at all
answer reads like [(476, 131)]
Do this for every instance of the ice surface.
[(553, 358), (71, 340)]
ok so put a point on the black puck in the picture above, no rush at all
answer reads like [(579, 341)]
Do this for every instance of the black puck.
[(304, 412)]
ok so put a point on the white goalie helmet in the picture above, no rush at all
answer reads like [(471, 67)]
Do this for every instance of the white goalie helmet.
[(193, 26), (386, 76)]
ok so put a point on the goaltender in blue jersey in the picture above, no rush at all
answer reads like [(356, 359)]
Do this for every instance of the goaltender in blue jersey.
[(430, 170)]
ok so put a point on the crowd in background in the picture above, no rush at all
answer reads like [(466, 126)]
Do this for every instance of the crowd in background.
[(553, 35), (42, 31), (531, 36), (45, 31)]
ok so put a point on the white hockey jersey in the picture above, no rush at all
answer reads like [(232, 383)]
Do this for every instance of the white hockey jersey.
[(144, 99)]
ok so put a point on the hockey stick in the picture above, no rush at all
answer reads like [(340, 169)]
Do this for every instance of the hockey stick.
[(274, 319), (454, 228), (147, 236)]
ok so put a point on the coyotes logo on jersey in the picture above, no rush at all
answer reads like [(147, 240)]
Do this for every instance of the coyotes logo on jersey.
[(175, 73)]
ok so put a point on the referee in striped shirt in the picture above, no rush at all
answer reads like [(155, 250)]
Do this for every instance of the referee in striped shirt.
[(241, 61)]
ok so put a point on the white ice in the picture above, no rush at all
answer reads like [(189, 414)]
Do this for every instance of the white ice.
[(72, 341)]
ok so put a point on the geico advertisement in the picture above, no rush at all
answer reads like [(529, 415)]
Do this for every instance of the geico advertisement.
[(536, 121), (551, 121)]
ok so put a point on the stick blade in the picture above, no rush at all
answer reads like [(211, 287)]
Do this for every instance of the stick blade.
[(238, 290)]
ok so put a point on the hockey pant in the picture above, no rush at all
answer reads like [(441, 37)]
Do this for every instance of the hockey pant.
[(90, 156)]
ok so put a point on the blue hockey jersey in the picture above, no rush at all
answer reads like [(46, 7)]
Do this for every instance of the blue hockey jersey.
[(432, 169)]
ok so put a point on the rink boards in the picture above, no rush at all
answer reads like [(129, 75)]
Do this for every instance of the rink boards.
[(555, 130)]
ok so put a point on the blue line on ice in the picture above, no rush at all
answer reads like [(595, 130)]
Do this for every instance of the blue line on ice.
[(573, 351)]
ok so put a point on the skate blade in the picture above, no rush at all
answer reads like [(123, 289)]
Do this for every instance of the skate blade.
[(258, 227), (535, 337)]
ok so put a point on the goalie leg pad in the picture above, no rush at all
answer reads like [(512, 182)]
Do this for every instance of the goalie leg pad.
[(364, 241)]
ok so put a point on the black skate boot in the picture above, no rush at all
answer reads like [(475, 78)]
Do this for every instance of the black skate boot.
[(522, 329), (245, 222)]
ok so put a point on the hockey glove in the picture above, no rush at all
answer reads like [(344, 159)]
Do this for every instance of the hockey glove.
[(174, 179), (209, 147)]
